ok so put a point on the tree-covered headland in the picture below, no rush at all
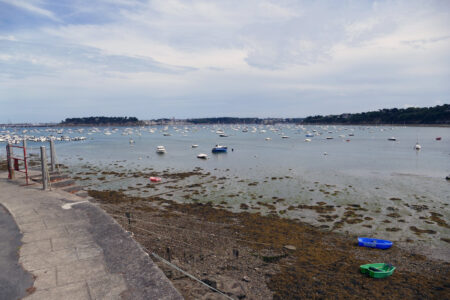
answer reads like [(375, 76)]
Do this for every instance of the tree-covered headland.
[(98, 121), (437, 115)]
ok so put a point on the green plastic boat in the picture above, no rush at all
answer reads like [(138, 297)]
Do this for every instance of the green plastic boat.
[(380, 270)]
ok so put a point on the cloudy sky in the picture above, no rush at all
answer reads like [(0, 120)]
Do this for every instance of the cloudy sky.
[(189, 58)]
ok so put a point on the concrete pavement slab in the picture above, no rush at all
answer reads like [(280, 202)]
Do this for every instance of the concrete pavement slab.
[(73, 291), (14, 280), (77, 251)]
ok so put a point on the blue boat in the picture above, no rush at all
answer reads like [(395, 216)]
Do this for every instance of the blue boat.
[(374, 243), (218, 149)]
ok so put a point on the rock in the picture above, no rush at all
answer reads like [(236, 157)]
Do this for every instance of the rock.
[(211, 283), (230, 286), (290, 247), (246, 279)]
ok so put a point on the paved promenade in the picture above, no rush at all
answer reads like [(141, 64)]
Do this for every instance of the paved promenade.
[(76, 251)]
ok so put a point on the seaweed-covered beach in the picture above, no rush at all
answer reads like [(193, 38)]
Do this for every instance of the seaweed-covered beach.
[(255, 250), (247, 255)]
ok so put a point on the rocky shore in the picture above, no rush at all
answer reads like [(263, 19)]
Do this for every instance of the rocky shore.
[(250, 256)]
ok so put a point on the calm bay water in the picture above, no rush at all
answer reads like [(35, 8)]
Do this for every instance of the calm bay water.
[(367, 152)]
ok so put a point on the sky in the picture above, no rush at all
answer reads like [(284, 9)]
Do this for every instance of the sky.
[(205, 58)]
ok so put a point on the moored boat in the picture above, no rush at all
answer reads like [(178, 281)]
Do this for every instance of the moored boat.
[(374, 243), (219, 148), (155, 179), (160, 149), (202, 156), (377, 270)]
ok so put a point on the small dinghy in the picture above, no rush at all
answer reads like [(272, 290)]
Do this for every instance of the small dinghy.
[(160, 150), (378, 270), (202, 156), (155, 179), (374, 243)]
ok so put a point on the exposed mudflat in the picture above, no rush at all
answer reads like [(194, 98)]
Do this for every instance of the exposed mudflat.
[(251, 256)]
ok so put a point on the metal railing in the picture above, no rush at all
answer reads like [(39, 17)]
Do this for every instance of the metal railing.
[(13, 161)]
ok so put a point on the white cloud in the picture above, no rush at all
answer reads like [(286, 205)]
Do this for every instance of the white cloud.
[(28, 6), (280, 52)]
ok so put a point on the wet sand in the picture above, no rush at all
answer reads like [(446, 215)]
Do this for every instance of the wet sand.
[(251, 256), (363, 206)]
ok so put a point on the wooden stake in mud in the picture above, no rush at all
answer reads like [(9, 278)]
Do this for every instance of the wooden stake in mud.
[(52, 155), (44, 168), (236, 253), (169, 254), (9, 155), (128, 215)]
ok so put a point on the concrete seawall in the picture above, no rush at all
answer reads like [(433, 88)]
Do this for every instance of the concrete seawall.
[(76, 251)]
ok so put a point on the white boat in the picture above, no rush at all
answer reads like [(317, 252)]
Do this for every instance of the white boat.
[(417, 146), (202, 156), (307, 140), (392, 139), (285, 137), (194, 146), (160, 149), (268, 138)]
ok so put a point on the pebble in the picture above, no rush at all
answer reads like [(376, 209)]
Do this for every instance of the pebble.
[(290, 247)]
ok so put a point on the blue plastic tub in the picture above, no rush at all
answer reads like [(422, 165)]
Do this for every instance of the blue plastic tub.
[(374, 243)]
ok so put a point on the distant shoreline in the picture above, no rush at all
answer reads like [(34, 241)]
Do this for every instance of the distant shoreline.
[(20, 125)]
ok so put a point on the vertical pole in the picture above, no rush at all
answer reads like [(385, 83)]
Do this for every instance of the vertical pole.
[(25, 158), (44, 168), (9, 154), (52, 154)]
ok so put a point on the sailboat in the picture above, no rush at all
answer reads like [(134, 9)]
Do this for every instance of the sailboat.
[(417, 146)]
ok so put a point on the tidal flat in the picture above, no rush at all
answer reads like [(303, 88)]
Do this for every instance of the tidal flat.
[(415, 218), (252, 238)]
